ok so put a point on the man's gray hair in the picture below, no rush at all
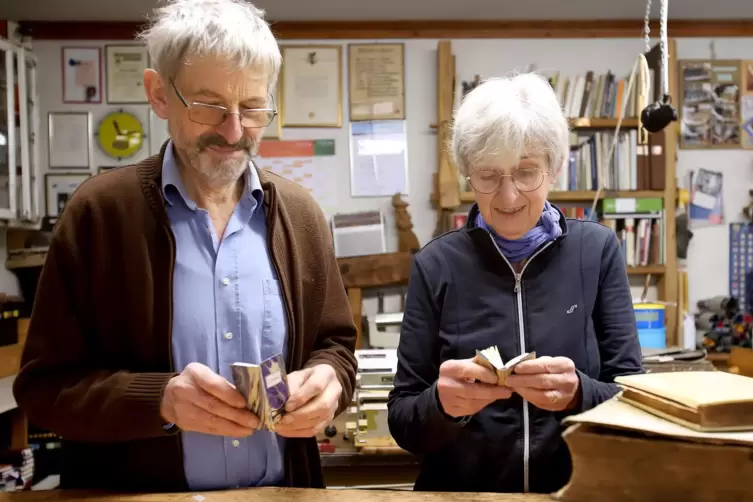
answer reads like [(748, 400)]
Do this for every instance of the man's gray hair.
[(231, 29), (505, 119)]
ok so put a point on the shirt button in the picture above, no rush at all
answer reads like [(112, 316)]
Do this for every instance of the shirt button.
[(236, 443), (228, 336), (226, 281)]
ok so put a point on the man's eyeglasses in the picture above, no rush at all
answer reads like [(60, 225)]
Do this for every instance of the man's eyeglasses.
[(215, 115), (526, 179)]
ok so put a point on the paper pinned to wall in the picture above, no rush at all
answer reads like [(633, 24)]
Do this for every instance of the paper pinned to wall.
[(378, 158), (308, 163), (706, 198)]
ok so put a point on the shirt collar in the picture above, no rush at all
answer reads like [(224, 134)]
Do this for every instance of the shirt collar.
[(174, 190)]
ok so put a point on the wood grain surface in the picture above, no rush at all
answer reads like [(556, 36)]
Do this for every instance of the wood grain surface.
[(272, 495)]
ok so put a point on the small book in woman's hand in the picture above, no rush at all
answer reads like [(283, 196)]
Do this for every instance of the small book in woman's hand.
[(491, 359)]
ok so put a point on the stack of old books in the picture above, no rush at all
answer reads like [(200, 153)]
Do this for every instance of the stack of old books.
[(667, 436)]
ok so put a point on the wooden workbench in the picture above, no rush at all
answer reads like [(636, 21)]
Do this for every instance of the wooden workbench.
[(360, 470), (272, 495)]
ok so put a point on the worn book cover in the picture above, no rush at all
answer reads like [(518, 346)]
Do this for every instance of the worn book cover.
[(265, 388), (490, 358), (710, 401)]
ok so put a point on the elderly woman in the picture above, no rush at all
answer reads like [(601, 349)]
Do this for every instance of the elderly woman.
[(522, 278)]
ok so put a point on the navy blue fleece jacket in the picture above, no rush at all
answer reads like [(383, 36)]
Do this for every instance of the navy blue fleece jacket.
[(573, 300)]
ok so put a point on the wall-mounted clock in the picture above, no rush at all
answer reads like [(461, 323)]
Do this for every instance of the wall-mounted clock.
[(120, 134)]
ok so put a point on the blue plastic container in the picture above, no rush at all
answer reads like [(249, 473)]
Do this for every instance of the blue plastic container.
[(653, 338), (649, 319), (649, 315)]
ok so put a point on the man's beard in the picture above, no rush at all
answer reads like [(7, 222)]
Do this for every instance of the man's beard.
[(225, 171)]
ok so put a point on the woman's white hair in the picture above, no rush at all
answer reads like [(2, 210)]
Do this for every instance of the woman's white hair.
[(505, 119), (231, 29)]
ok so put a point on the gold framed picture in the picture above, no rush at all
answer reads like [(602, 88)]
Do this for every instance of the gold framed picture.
[(311, 86)]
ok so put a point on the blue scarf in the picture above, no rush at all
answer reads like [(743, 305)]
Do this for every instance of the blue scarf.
[(546, 230)]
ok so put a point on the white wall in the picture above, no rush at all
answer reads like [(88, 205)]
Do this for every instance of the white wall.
[(707, 261)]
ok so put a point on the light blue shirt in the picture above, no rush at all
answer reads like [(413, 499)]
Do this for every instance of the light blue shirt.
[(227, 307)]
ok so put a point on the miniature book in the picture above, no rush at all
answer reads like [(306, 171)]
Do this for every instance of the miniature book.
[(491, 359), (265, 387)]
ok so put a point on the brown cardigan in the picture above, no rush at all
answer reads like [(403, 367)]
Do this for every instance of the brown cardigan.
[(98, 352)]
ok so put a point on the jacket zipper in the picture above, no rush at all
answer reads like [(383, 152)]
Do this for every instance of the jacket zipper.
[(522, 338)]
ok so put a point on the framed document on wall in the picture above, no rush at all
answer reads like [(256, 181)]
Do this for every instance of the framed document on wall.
[(125, 73), (311, 86), (59, 188), (82, 74), (376, 81), (69, 141)]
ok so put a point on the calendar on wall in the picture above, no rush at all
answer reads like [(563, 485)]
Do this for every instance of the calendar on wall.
[(740, 262)]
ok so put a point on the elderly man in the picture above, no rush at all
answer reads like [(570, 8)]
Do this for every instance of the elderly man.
[(162, 274)]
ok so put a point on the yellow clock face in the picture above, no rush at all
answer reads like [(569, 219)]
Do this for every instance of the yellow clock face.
[(120, 135)]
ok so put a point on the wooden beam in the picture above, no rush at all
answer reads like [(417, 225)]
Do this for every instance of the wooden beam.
[(377, 270), (341, 30), (80, 30)]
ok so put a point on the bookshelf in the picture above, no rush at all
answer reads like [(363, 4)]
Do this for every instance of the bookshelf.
[(449, 196)]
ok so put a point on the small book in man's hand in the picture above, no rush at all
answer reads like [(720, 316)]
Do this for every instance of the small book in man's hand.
[(491, 359), (265, 388)]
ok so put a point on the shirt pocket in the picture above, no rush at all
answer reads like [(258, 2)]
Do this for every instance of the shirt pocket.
[(274, 329)]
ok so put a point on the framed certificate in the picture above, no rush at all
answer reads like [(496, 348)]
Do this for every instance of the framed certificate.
[(376, 81), (69, 142), (125, 73), (59, 188), (311, 86)]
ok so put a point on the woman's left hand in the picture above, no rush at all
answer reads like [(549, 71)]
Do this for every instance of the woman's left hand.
[(549, 383)]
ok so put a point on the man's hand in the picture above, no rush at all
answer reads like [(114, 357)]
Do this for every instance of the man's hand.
[(549, 383), (314, 394), (465, 388), (199, 400)]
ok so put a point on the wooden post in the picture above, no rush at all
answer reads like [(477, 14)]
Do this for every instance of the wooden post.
[(447, 181), (669, 283)]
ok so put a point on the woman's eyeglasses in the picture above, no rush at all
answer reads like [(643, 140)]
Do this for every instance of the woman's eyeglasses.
[(526, 179)]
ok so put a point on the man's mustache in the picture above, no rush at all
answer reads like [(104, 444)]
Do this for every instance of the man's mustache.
[(246, 144)]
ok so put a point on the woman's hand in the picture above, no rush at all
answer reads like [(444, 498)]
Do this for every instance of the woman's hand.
[(465, 388), (549, 383)]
